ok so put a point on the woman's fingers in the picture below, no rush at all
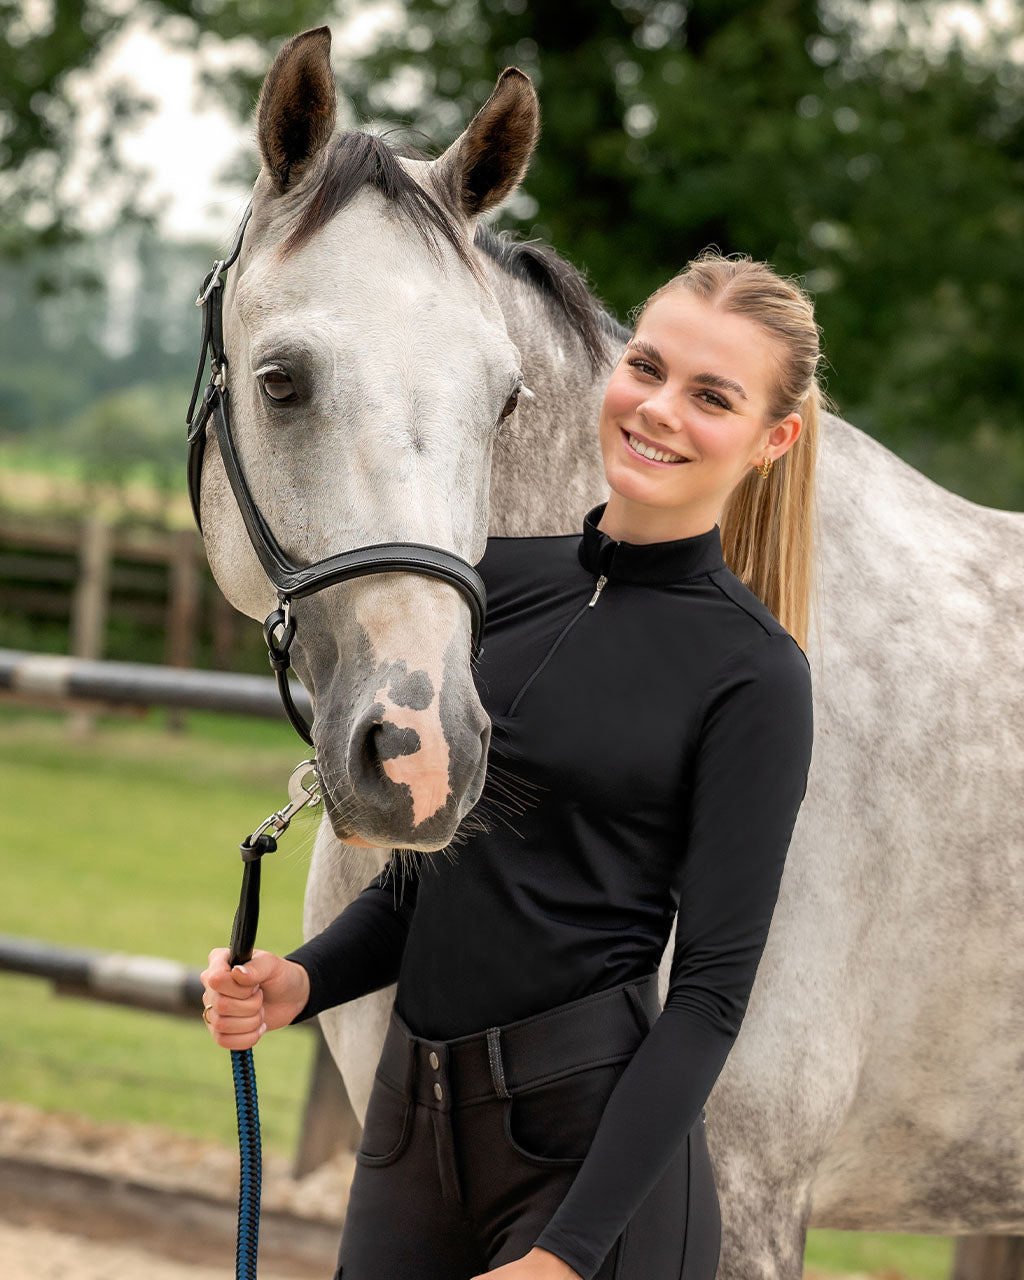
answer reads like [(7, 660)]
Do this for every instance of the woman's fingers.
[(219, 978), (228, 1007), (233, 1036)]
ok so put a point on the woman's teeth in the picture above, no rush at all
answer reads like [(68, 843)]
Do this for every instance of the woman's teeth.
[(648, 451)]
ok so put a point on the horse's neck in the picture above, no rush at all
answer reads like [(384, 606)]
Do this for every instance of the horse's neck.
[(547, 470)]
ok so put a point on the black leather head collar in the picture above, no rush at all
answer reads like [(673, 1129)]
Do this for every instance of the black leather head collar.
[(294, 581)]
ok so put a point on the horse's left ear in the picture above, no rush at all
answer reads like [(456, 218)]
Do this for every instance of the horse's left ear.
[(487, 162), (297, 107)]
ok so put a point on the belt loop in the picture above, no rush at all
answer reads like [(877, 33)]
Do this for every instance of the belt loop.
[(494, 1058), (409, 1065), (639, 1009)]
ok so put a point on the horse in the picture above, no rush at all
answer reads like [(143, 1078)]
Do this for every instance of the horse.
[(378, 338)]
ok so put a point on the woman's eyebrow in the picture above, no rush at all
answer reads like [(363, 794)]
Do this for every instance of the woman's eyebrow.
[(647, 349), (715, 380), (721, 384)]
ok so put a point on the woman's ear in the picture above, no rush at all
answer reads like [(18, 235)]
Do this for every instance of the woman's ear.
[(783, 435)]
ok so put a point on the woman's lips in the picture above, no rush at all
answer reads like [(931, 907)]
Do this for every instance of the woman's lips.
[(651, 462)]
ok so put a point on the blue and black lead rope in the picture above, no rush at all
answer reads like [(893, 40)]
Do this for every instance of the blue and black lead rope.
[(250, 1164), (250, 1156)]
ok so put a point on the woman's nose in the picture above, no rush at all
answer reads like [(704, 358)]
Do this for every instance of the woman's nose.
[(657, 411)]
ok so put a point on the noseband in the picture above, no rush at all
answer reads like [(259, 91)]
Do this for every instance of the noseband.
[(293, 581)]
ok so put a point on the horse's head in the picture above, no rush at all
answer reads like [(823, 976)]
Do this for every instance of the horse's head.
[(369, 371)]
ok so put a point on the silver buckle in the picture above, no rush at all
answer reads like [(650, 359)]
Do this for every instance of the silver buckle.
[(215, 282)]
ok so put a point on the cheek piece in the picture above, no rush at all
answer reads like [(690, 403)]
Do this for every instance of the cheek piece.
[(292, 582)]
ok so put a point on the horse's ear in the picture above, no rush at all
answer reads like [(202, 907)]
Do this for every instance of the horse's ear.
[(297, 107), (487, 162)]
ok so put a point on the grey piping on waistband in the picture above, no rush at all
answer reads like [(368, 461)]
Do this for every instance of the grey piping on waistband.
[(494, 1058)]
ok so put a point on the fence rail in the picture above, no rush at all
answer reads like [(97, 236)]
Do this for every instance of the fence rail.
[(166, 986), (61, 680), (141, 982)]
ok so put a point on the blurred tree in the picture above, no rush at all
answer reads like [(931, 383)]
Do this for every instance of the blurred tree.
[(134, 434), (860, 146), (42, 47), (881, 163)]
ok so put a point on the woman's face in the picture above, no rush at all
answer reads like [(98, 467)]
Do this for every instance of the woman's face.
[(694, 383)]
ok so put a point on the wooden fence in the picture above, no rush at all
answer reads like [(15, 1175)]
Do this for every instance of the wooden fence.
[(96, 590), (167, 986), (86, 574)]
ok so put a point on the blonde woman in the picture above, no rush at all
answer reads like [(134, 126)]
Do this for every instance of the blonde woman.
[(536, 1114)]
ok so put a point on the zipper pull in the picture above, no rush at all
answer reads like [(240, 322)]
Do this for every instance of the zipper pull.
[(600, 583)]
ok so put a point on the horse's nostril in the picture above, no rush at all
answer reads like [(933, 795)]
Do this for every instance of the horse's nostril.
[(389, 741)]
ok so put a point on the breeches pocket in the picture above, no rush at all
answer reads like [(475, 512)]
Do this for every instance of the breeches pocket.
[(555, 1122), (388, 1125)]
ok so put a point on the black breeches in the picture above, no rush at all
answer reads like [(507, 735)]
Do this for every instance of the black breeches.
[(471, 1144)]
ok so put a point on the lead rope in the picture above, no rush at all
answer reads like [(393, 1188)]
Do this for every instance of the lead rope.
[(303, 791)]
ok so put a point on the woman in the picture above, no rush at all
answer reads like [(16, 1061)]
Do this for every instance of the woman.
[(536, 1115)]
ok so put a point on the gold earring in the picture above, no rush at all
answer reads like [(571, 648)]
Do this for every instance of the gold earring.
[(764, 467)]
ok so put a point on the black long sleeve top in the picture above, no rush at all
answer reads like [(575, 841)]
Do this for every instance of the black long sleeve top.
[(649, 752)]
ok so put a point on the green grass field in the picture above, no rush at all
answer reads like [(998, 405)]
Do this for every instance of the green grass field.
[(127, 840)]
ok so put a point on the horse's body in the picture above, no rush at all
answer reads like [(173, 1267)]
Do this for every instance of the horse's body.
[(877, 1079)]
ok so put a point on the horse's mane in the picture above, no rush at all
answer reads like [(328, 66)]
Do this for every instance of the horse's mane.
[(355, 158)]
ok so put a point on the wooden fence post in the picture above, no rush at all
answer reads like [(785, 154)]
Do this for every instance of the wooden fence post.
[(183, 590), (92, 591), (989, 1258), (89, 604), (225, 631), (182, 601)]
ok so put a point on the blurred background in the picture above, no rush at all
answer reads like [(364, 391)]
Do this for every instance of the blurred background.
[(874, 148)]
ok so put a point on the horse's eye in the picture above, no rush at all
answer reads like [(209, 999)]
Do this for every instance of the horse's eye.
[(510, 404), (277, 386)]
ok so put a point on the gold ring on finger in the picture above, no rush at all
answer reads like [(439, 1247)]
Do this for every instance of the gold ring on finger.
[(206, 1013)]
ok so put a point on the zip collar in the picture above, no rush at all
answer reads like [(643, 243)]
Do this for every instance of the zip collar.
[(647, 562)]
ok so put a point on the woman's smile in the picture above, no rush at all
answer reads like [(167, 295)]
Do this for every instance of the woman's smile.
[(657, 456)]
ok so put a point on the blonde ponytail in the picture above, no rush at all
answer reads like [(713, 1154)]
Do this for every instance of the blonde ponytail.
[(769, 525)]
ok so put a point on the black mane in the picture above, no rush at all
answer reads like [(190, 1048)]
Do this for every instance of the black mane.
[(539, 265), (355, 158)]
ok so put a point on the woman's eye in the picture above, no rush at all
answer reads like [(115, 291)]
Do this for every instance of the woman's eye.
[(715, 400), (644, 366), (278, 386), (510, 405)]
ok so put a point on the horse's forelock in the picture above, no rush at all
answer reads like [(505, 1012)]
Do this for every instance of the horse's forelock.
[(354, 159)]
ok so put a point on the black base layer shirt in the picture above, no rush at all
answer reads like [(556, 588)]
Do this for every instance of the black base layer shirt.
[(651, 736)]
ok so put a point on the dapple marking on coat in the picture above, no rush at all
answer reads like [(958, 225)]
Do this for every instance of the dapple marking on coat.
[(876, 1081)]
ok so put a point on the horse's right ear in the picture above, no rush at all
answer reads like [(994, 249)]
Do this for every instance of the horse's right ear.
[(297, 107), (487, 162)]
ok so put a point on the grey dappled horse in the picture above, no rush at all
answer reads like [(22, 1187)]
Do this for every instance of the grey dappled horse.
[(877, 1080)]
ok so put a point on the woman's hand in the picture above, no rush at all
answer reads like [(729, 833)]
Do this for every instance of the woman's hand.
[(265, 993), (537, 1265)]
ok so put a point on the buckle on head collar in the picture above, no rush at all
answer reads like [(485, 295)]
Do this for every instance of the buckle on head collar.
[(213, 282)]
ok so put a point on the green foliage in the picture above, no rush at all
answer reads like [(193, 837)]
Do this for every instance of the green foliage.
[(881, 165), (131, 434), (42, 47), (887, 178), (871, 1253)]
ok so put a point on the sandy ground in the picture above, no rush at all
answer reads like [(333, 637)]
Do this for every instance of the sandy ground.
[(30, 1253), (33, 1253), (159, 1157)]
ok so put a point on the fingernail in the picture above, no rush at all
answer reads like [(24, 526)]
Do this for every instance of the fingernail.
[(242, 969), (263, 1028)]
